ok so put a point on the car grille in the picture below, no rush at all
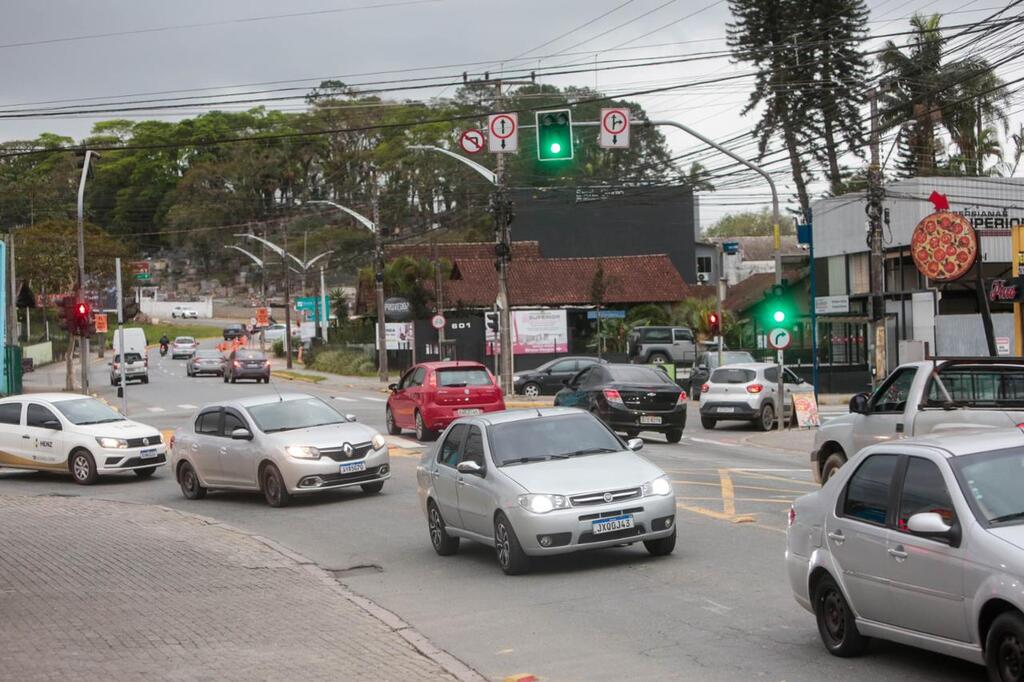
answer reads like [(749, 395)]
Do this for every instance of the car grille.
[(138, 461), (643, 400), (359, 451), (143, 442), (599, 498), (610, 514), (338, 479)]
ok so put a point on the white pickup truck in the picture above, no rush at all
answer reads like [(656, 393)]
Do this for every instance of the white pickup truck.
[(924, 397)]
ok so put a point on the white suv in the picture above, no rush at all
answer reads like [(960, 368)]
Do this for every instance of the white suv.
[(136, 368), (747, 392)]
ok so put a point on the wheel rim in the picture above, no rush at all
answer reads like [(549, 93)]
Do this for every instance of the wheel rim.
[(1011, 657), (531, 391), (390, 418), (502, 544), (81, 467), (273, 490), (768, 416), (435, 527), (188, 479), (834, 610), (420, 429), (658, 360)]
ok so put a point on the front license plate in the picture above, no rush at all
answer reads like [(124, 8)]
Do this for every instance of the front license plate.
[(613, 524), (726, 410), (146, 454), (352, 467), (647, 419), (467, 412)]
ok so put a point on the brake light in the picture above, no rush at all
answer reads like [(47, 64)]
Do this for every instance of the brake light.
[(236, 363), (171, 443), (792, 515), (682, 398), (432, 381), (755, 388), (612, 396), (704, 388)]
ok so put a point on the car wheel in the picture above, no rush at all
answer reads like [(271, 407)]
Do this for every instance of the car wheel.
[(145, 380), (234, 380), (661, 546), (1004, 648), (836, 624), (657, 358), (511, 557), (372, 488), (113, 382), (674, 435), (766, 417), (83, 468), (832, 464), (531, 390), (389, 420), (274, 490), (708, 422), (188, 479), (144, 473), (444, 544), (423, 434)]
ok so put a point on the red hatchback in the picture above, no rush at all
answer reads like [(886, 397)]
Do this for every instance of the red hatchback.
[(433, 394)]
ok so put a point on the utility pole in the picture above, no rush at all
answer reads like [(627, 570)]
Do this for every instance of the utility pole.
[(439, 290), (287, 302), (122, 390), (876, 193), (503, 248), (12, 303), (80, 294), (323, 305), (378, 276)]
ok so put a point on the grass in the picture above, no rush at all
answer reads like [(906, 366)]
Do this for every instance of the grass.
[(298, 376), (347, 363), (155, 331)]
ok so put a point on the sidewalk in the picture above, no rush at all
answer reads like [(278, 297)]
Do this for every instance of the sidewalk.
[(97, 590)]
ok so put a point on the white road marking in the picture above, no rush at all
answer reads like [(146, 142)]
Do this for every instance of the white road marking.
[(187, 406), (802, 471), (375, 400), (713, 442), (343, 399), (156, 409)]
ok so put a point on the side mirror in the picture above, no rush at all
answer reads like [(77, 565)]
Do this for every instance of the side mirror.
[(392, 387), (351, 417), (567, 383), (635, 444), (930, 525), (241, 434), (547, 371), (859, 404), (469, 467), (51, 424)]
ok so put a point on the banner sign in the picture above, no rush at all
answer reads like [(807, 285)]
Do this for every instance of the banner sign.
[(1011, 289), (398, 336), (535, 331), (806, 409)]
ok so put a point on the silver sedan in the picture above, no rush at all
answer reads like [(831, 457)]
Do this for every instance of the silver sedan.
[(919, 542), (537, 482), (280, 445)]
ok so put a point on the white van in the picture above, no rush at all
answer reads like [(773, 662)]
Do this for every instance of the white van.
[(134, 340)]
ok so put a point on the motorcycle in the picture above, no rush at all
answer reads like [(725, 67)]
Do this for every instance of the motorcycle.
[(163, 349)]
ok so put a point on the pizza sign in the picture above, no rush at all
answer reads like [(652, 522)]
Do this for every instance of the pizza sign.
[(944, 246)]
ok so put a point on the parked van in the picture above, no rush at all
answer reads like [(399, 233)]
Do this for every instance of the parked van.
[(134, 340)]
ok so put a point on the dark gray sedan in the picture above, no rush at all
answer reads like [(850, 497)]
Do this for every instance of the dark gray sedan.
[(247, 364)]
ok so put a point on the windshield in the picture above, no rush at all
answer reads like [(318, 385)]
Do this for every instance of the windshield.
[(532, 440), (732, 376), (208, 354), (729, 357), (184, 339), (637, 375), (87, 411), (474, 376), (991, 482), (287, 415), (129, 357)]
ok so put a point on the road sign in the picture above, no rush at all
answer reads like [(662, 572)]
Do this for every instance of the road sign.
[(730, 248), (779, 338), (614, 128), (310, 304), (503, 132), (437, 321), (100, 321), (472, 141), (263, 317)]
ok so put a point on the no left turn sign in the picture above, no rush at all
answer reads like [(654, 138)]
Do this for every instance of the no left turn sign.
[(472, 141), (503, 133), (614, 128)]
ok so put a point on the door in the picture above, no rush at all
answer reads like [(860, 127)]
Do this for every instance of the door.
[(42, 440), (927, 575), (403, 404), (204, 450), (446, 477), (858, 537), (10, 433), (558, 373), (574, 394), (237, 457), (885, 418), (791, 384), (683, 347), (476, 503)]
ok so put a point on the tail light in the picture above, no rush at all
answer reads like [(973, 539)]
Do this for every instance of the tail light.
[(432, 381), (612, 396), (682, 398), (170, 443), (755, 388), (267, 363), (236, 363), (704, 388), (792, 515)]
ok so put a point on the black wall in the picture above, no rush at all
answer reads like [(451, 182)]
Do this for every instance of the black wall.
[(609, 221)]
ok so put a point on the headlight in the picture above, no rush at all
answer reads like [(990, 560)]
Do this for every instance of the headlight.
[(120, 443), (659, 486), (516, 378), (378, 442), (302, 452), (542, 504)]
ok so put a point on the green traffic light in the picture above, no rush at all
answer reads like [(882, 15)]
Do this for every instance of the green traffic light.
[(554, 135), (779, 316), (555, 148)]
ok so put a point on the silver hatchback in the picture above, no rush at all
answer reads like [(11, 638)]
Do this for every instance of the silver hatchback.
[(919, 542), (748, 392), (536, 482)]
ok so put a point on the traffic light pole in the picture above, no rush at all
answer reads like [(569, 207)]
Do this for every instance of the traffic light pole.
[(122, 390), (718, 302), (80, 294), (877, 340)]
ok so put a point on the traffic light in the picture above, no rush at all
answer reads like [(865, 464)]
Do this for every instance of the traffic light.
[(554, 135), (493, 321), (82, 314), (779, 309), (714, 324)]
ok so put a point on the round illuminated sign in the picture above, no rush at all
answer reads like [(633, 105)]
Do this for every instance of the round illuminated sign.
[(944, 246)]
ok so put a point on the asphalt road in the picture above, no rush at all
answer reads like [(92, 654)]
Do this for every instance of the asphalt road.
[(719, 608)]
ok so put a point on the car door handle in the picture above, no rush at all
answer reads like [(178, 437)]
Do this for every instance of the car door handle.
[(195, 446), (898, 553), (223, 451), (837, 537), (26, 436), (460, 481), (435, 473)]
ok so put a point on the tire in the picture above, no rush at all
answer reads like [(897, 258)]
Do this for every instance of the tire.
[(144, 473), (510, 554), (444, 544), (423, 434), (531, 390), (234, 380), (657, 359), (83, 467), (274, 490), (1004, 648), (661, 546), (766, 417), (389, 419), (145, 380), (188, 479), (372, 488), (836, 624), (832, 464), (708, 422), (674, 435), (225, 375)]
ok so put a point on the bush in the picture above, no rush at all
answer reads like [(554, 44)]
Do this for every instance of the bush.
[(343, 362), (278, 349)]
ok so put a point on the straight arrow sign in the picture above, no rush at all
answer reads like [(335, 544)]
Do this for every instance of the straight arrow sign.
[(614, 128)]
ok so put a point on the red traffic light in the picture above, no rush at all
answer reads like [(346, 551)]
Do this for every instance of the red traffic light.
[(83, 309), (713, 318)]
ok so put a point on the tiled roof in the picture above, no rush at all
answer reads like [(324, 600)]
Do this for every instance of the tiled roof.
[(763, 248), (750, 291), (456, 250)]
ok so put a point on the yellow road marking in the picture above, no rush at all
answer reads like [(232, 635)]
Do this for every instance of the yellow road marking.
[(740, 486), (728, 495), (739, 499), (404, 452), (769, 477)]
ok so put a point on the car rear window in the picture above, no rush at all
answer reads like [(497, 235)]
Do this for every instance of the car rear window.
[(251, 355), (980, 385), (473, 376), (129, 357), (208, 354), (638, 375), (728, 375)]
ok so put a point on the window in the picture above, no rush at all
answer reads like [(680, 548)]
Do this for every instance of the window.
[(231, 422), (682, 335), (657, 335), (924, 490), (867, 493), (892, 395), (979, 385), (732, 376), (563, 367), (474, 451), (417, 377), (464, 377), (448, 454), (37, 414), (10, 413), (991, 482), (575, 435), (287, 415), (83, 411), (637, 374), (771, 375), (406, 381), (790, 377), (208, 423), (583, 363), (704, 264), (583, 376)]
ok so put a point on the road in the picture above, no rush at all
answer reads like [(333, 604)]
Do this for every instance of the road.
[(718, 609)]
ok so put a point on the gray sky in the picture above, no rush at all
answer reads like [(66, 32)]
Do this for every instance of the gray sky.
[(332, 43)]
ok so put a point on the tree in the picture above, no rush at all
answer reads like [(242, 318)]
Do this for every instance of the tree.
[(750, 224), (47, 254)]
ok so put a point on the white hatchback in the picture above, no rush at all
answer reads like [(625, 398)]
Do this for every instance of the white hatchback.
[(76, 434), (748, 392)]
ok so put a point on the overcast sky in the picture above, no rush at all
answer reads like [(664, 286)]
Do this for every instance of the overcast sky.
[(53, 50)]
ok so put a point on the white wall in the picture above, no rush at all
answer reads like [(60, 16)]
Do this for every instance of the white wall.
[(162, 309)]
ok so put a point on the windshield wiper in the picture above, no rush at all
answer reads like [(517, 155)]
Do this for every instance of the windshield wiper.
[(1008, 517), (527, 460), (589, 451), (100, 421)]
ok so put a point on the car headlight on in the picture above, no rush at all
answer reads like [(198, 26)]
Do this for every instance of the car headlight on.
[(378, 442), (542, 504), (659, 486), (302, 452), (117, 443), (516, 377)]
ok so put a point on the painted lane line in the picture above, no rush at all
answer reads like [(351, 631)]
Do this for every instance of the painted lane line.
[(187, 406), (802, 471), (708, 441), (344, 399), (155, 409), (375, 400), (403, 442)]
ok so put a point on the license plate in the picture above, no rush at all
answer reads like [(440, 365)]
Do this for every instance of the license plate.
[(726, 410), (146, 454), (647, 419), (624, 522), (467, 412), (352, 467)]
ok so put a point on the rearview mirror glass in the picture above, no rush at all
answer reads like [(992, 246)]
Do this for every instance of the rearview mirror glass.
[(469, 467), (351, 417), (859, 404), (241, 434)]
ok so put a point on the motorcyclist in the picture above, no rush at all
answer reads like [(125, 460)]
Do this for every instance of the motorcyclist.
[(164, 343)]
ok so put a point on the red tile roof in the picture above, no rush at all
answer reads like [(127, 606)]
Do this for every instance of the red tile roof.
[(457, 250), (750, 291)]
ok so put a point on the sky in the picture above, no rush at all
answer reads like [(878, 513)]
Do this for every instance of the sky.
[(119, 49)]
